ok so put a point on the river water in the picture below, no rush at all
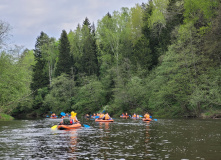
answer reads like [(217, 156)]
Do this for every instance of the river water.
[(172, 139)]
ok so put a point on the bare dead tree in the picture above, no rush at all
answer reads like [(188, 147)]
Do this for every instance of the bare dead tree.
[(4, 32)]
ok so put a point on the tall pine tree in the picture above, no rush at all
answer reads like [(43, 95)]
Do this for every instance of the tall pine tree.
[(65, 59), (89, 57), (40, 76)]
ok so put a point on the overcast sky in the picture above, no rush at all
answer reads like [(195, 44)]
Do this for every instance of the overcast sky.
[(29, 17)]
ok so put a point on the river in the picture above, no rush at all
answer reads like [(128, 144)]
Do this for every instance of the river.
[(172, 139)]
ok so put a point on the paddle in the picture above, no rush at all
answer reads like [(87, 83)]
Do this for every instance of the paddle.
[(86, 126), (54, 127)]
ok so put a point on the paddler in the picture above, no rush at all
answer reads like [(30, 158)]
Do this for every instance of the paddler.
[(74, 117), (66, 120), (147, 115), (53, 115), (107, 117), (101, 116)]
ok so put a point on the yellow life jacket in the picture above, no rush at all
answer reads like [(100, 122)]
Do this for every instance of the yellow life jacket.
[(107, 116), (101, 116)]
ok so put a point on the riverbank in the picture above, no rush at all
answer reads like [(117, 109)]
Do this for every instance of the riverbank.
[(5, 117), (214, 114)]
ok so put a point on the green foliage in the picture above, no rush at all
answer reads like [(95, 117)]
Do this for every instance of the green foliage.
[(89, 57), (40, 76), (5, 117), (61, 93), (14, 80), (162, 57), (158, 13), (84, 49), (90, 97), (131, 96), (65, 59)]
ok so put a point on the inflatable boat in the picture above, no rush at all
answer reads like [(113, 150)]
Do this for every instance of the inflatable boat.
[(66, 127)]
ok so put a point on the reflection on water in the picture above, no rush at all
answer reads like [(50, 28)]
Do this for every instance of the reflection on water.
[(122, 139)]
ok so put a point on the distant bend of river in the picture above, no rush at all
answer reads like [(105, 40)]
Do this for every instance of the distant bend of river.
[(172, 139)]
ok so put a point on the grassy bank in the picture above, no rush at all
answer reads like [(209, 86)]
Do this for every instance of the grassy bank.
[(5, 117), (215, 114)]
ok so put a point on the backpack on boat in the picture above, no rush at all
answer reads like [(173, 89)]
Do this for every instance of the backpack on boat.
[(66, 121)]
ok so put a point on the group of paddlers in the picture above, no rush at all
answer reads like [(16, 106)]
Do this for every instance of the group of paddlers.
[(69, 120), (53, 115), (102, 116), (124, 115), (72, 119), (135, 116)]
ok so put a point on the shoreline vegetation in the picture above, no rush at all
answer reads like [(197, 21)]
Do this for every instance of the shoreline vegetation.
[(5, 117), (210, 114), (161, 57)]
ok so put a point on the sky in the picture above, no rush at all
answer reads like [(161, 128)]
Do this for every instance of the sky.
[(28, 18)]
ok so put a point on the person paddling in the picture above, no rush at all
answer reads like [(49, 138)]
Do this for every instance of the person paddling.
[(53, 115), (101, 116), (147, 115), (66, 120), (74, 117), (107, 117)]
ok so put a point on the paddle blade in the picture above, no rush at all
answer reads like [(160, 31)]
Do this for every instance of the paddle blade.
[(54, 127), (86, 126)]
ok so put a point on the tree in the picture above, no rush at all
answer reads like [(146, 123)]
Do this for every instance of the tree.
[(59, 98), (76, 48), (65, 59), (89, 57), (15, 80), (109, 31), (90, 97), (40, 77), (4, 29), (50, 50)]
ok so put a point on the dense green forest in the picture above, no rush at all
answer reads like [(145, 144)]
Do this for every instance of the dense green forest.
[(163, 57)]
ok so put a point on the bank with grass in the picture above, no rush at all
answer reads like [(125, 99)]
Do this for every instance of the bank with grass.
[(5, 117)]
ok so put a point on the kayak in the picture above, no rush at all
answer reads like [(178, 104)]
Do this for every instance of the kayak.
[(53, 117), (66, 127), (101, 120), (135, 118), (147, 119), (124, 116)]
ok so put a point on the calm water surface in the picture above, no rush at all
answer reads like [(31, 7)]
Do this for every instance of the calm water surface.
[(172, 139)]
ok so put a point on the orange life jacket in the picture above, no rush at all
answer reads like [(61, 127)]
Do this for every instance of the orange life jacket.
[(147, 116), (107, 116), (101, 116)]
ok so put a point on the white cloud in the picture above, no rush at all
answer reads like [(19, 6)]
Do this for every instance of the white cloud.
[(29, 17)]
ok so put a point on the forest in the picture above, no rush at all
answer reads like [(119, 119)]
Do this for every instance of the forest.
[(161, 57)]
